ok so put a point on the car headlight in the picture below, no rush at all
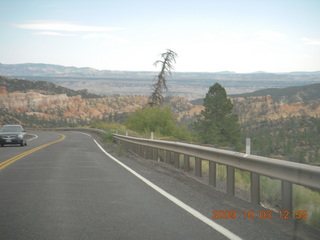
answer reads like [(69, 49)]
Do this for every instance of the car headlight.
[(20, 136)]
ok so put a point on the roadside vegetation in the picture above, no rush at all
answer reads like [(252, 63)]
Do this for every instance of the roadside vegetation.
[(294, 139), (215, 126)]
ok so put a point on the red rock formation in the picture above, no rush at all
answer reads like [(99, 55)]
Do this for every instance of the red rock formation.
[(3, 91)]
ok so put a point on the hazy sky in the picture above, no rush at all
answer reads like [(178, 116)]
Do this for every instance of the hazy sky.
[(208, 35)]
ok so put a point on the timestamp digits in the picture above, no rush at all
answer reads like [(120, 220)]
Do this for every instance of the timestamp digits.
[(295, 214), (244, 214), (258, 215), (224, 214)]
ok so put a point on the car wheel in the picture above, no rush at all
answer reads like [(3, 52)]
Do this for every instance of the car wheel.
[(21, 144)]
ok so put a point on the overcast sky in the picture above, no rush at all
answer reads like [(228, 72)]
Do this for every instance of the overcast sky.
[(207, 35)]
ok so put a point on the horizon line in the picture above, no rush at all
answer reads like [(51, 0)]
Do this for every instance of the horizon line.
[(222, 71)]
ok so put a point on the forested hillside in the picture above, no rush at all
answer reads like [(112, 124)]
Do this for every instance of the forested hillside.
[(289, 95), (284, 123), (14, 84)]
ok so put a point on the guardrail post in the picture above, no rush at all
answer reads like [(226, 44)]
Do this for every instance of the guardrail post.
[(136, 148), (143, 151), (198, 167), (230, 180), (176, 160), (155, 154), (186, 163), (130, 146), (148, 152), (255, 188), (168, 155), (140, 150), (212, 174), (151, 153), (286, 196), (133, 147)]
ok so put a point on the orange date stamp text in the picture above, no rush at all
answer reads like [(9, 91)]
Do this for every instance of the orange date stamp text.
[(264, 214)]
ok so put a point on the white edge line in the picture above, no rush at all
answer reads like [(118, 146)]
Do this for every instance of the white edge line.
[(35, 137), (175, 200), (85, 134)]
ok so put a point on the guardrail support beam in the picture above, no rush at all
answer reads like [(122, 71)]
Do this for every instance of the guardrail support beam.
[(198, 167), (155, 154), (230, 180), (140, 151), (286, 196), (186, 163), (212, 174), (168, 156), (136, 149), (143, 152), (176, 160), (149, 152), (255, 188)]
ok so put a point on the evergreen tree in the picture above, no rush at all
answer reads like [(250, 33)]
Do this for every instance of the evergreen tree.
[(217, 124)]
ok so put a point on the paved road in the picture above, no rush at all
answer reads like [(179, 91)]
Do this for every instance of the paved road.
[(70, 189)]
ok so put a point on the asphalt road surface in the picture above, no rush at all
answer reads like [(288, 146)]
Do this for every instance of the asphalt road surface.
[(65, 186)]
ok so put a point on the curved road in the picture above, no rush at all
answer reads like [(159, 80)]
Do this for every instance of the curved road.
[(66, 187)]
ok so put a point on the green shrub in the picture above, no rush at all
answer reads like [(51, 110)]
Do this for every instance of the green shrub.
[(158, 120), (305, 199)]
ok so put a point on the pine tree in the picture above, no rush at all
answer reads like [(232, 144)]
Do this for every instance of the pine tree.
[(217, 124)]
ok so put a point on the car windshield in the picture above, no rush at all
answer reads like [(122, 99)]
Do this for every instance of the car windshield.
[(11, 129)]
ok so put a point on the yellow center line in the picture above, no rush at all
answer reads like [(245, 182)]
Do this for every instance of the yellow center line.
[(12, 160)]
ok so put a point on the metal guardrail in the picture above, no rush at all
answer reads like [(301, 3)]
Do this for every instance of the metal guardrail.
[(95, 130), (288, 172)]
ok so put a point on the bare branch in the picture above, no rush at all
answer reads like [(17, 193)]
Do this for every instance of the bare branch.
[(168, 57)]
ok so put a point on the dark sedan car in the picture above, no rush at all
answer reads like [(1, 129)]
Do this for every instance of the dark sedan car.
[(13, 134)]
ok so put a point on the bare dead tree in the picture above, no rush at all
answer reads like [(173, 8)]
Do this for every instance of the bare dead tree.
[(167, 60)]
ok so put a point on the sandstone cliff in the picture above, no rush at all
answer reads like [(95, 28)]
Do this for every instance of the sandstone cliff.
[(61, 106), (249, 109), (78, 110), (266, 109)]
